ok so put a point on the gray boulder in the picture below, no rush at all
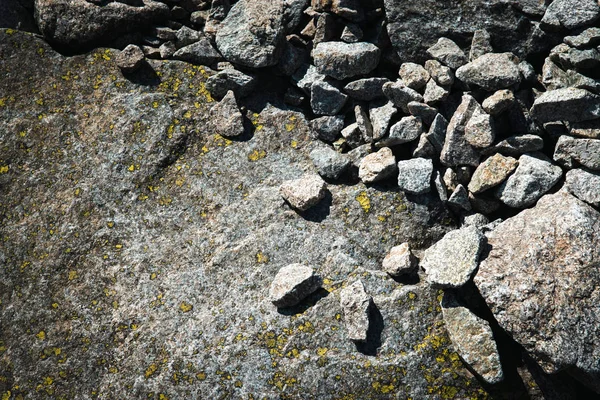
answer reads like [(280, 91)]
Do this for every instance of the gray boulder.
[(253, 33), (329, 163), (584, 185), (450, 262), (571, 14), (540, 280), (366, 89), (404, 131), (499, 102), (326, 99), (534, 176), (569, 104), (442, 75), (327, 128), (292, 284), (414, 175), (569, 151), (344, 60), (460, 198), (492, 71)]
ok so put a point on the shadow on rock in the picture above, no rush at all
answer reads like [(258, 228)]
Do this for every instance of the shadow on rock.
[(305, 304), (319, 212), (145, 75), (369, 348)]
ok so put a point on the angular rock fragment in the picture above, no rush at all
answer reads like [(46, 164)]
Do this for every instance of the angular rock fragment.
[(252, 34), (363, 122), (424, 148), (400, 95), (517, 145), (356, 305), (586, 152), (480, 128), (586, 129), (540, 281), (352, 33), (325, 29), (441, 74), (440, 186), (326, 99), (587, 38), (306, 76), (352, 135), (413, 75), (186, 36), (569, 104), (404, 131), (366, 89), (571, 14), (400, 261), (292, 284), (499, 102), (447, 52), (534, 176), (344, 60), (327, 128), (435, 93), (304, 192), (329, 163), (230, 79), (492, 172), (130, 59), (227, 118), (167, 50), (481, 44), (473, 339), (414, 176), (460, 198), (380, 116), (528, 72), (456, 150), (584, 185), (423, 111), (450, 262), (492, 71), (437, 132), (377, 166)]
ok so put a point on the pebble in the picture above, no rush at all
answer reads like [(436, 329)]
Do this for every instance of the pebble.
[(378, 166), (292, 284), (356, 305), (414, 175), (304, 192)]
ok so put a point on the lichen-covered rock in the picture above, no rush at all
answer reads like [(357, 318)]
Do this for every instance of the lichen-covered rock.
[(253, 33), (304, 192), (540, 280), (356, 304), (292, 284), (450, 262)]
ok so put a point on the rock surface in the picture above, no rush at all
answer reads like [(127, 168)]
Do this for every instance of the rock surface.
[(584, 185), (414, 176), (292, 284), (540, 280), (378, 166), (400, 261), (304, 192), (344, 60), (356, 304)]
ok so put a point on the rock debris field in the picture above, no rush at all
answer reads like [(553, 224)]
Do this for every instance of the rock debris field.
[(299, 199)]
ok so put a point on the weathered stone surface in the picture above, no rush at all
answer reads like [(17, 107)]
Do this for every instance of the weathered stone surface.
[(569, 104), (448, 53), (492, 71), (492, 172), (414, 175), (481, 44), (200, 52), (352, 135), (540, 280), (586, 152), (473, 339), (399, 261), (130, 59), (450, 262), (571, 14), (457, 151), (587, 38), (306, 76), (185, 231), (435, 93), (441, 74), (400, 95), (413, 75), (356, 304), (252, 34), (423, 111), (366, 89), (231, 79), (329, 163), (534, 176), (480, 129), (327, 128), (460, 198), (586, 129), (227, 118), (292, 284), (326, 99), (79, 24), (499, 102), (364, 123), (584, 185), (437, 132), (352, 34), (380, 116), (304, 192), (404, 131), (344, 60), (378, 166), (520, 144)]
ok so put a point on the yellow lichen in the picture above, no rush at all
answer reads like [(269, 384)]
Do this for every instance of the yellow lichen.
[(364, 201), (41, 335), (257, 155), (261, 258), (185, 307)]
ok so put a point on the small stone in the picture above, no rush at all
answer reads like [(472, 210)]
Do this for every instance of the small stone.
[(520, 144), (344, 60), (491, 72), (167, 49), (473, 339), (451, 261), (460, 198), (352, 33), (441, 74), (414, 175), (457, 151), (400, 261), (329, 163), (306, 76), (571, 14), (440, 187), (363, 122), (499, 102), (480, 130), (377, 166), (327, 128), (528, 72), (423, 111), (201, 52), (588, 38), (356, 305), (435, 93), (305, 192), (448, 53), (226, 116), (534, 176), (366, 89), (437, 132), (477, 220), (186, 36), (586, 152), (352, 135), (584, 185), (569, 104), (130, 59), (381, 116), (492, 172), (413, 75), (230, 79), (400, 95), (481, 44), (326, 99), (292, 284), (404, 131)]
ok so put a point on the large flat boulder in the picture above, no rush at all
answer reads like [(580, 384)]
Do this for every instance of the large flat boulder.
[(541, 280)]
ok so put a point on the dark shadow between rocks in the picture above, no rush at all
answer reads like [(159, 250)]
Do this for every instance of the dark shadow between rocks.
[(145, 75), (369, 348), (408, 279), (305, 304), (320, 211)]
